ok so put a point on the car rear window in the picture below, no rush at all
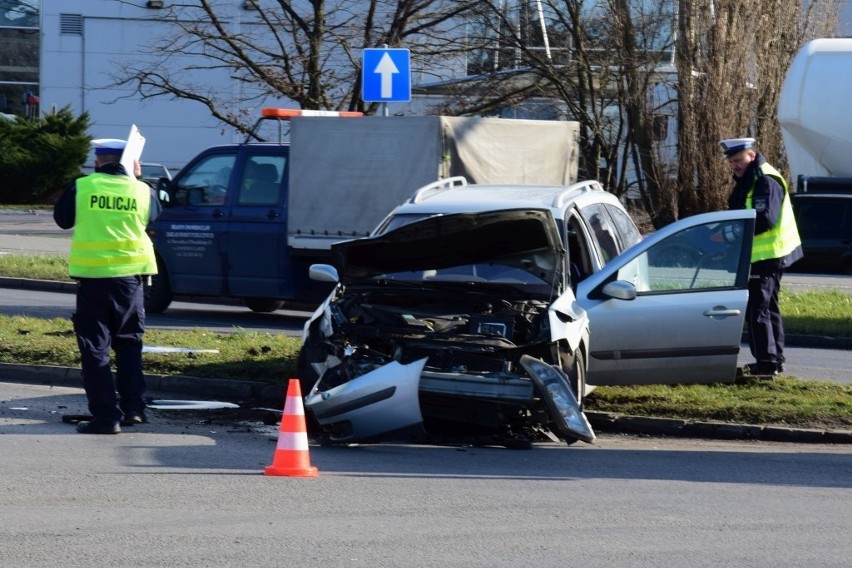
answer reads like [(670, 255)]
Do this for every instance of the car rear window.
[(625, 226)]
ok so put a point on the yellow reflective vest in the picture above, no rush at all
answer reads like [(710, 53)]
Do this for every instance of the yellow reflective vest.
[(109, 237), (783, 238)]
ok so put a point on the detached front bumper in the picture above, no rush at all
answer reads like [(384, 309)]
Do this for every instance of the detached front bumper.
[(381, 401)]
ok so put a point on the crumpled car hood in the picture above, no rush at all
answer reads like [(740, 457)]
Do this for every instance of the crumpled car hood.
[(523, 238)]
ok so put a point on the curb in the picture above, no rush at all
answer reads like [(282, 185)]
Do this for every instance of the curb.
[(71, 288), (270, 395), (42, 285), (611, 422), (812, 341), (257, 392)]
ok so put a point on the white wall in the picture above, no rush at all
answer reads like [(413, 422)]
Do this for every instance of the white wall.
[(845, 18), (77, 70)]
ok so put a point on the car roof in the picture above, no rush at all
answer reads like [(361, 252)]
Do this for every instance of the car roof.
[(836, 195), (240, 145), (447, 197)]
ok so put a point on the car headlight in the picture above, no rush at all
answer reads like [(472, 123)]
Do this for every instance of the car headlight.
[(554, 388)]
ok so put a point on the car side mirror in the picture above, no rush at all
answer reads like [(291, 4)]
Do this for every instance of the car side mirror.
[(163, 190), (620, 290), (323, 273)]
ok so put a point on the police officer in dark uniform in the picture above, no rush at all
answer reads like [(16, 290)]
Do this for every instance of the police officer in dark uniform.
[(110, 255), (776, 246)]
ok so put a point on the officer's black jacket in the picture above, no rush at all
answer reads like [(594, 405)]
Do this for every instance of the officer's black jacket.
[(767, 197)]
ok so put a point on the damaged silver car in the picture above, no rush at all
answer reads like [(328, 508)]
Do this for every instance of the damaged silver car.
[(453, 326), (467, 314)]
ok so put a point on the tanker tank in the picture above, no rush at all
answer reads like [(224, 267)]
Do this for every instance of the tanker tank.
[(814, 110)]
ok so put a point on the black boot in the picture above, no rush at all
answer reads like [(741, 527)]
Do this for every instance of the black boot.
[(98, 427)]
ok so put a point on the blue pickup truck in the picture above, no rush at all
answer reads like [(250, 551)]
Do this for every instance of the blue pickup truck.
[(246, 221)]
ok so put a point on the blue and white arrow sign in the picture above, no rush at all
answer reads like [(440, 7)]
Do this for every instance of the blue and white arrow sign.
[(386, 75)]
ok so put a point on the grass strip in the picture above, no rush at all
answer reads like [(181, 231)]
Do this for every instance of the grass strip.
[(243, 354), (781, 401), (259, 356)]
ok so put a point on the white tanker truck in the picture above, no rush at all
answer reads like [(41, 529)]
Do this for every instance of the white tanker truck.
[(813, 111), (816, 126)]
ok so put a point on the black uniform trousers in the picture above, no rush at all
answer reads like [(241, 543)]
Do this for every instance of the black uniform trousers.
[(111, 314), (763, 313)]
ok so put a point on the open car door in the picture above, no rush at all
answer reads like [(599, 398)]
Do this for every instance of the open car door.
[(670, 309)]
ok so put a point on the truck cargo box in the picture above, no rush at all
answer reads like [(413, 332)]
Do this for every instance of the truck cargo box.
[(346, 175)]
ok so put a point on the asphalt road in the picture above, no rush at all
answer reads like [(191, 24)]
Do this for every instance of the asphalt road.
[(188, 490), (181, 315)]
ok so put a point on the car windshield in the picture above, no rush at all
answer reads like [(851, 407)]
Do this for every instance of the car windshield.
[(491, 272), (398, 221), (153, 171)]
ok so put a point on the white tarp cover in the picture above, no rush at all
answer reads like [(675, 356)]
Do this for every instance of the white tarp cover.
[(494, 150), (347, 174)]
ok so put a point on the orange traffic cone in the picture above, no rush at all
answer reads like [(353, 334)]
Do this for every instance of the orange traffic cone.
[(291, 453)]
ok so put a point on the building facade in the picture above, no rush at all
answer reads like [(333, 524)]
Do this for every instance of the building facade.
[(57, 54), (84, 44), (20, 41)]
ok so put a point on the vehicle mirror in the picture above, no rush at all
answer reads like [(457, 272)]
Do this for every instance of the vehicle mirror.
[(323, 273), (620, 290), (164, 190)]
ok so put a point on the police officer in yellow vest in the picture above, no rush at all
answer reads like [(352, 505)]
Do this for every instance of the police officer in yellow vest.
[(110, 254), (776, 246)]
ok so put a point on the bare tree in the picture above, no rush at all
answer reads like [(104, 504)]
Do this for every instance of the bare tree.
[(306, 51), (597, 59), (642, 37), (606, 63), (732, 58), (729, 64)]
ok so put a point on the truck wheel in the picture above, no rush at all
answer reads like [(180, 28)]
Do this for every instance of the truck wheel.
[(158, 294), (263, 305)]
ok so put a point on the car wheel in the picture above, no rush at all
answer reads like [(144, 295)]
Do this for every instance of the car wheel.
[(308, 377), (157, 291), (574, 365), (305, 371), (263, 305)]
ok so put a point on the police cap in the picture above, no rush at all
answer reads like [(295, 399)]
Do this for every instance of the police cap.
[(108, 146), (732, 146)]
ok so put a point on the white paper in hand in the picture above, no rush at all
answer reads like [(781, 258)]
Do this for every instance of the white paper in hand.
[(133, 149)]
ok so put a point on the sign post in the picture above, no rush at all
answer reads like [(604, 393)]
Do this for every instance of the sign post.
[(386, 75)]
